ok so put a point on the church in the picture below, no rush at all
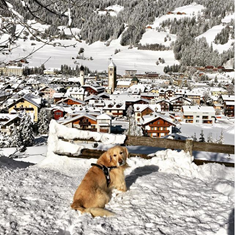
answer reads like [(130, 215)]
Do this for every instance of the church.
[(112, 77)]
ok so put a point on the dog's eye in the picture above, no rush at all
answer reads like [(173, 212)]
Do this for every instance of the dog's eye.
[(115, 155)]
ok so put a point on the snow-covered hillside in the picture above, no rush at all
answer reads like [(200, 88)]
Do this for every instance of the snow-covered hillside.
[(97, 54)]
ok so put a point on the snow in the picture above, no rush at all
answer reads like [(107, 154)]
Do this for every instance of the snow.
[(189, 10), (151, 36), (210, 35), (112, 10), (167, 194)]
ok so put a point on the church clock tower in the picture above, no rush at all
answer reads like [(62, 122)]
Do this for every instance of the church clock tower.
[(112, 77)]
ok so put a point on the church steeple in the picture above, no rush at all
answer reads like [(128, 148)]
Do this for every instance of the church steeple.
[(112, 76), (82, 80)]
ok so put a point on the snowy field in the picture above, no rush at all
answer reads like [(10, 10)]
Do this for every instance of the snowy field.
[(168, 194)]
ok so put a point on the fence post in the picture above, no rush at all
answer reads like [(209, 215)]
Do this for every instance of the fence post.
[(189, 147)]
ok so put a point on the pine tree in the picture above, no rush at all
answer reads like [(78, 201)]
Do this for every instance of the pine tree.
[(209, 138), (44, 119), (201, 139), (23, 134), (221, 138), (134, 129)]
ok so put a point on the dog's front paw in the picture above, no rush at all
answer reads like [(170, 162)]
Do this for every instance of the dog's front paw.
[(122, 188)]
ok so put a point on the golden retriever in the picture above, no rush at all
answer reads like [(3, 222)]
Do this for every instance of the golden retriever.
[(96, 187)]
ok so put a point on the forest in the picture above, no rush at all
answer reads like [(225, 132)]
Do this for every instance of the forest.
[(130, 23)]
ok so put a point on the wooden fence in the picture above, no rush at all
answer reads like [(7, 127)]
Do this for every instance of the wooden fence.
[(186, 145)]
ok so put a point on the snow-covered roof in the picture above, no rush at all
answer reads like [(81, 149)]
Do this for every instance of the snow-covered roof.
[(104, 117), (111, 64), (75, 90), (114, 105), (141, 107), (66, 121), (123, 83), (198, 109), (137, 87), (229, 102), (153, 116), (228, 97)]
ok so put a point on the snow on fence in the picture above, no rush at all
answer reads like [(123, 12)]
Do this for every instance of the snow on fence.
[(60, 137)]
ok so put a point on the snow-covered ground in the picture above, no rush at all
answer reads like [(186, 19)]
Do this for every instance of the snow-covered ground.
[(168, 194)]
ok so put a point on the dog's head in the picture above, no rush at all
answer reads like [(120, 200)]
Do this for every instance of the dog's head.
[(115, 156)]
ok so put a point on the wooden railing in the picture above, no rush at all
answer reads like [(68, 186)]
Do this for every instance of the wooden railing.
[(186, 145)]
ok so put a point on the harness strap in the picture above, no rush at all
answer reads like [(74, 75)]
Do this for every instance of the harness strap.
[(106, 171)]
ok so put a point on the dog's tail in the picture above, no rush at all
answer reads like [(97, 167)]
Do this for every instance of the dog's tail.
[(94, 211)]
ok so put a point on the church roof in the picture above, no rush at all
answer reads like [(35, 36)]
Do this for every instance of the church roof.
[(112, 64)]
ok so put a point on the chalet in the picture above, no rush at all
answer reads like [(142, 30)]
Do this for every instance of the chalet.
[(123, 84), (57, 96), (76, 93), (141, 110), (178, 102), (156, 125), (28, 103), (195, 97), (103, 95), (47, 92), (229, 108), (58, 112), (148, 95), (71, 102), (93, 90), (198, 114), (82, 122), (166, 93), (165, 105), (130, 99), (114, 109), (96, 103), (228, 102), (104, 123), (7, 122)]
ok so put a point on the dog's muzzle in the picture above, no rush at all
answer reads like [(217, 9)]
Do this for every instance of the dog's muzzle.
[(122, 163)]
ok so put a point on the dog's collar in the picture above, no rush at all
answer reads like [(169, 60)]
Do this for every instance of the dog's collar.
[(106, 171)]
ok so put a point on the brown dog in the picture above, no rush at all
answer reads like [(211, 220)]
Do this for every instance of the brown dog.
[(96, 187)]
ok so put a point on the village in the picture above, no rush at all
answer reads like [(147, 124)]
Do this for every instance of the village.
[(147, 104)]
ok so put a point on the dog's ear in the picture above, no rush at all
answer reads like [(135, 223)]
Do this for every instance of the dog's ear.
[(105, 159), (126, 151)]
